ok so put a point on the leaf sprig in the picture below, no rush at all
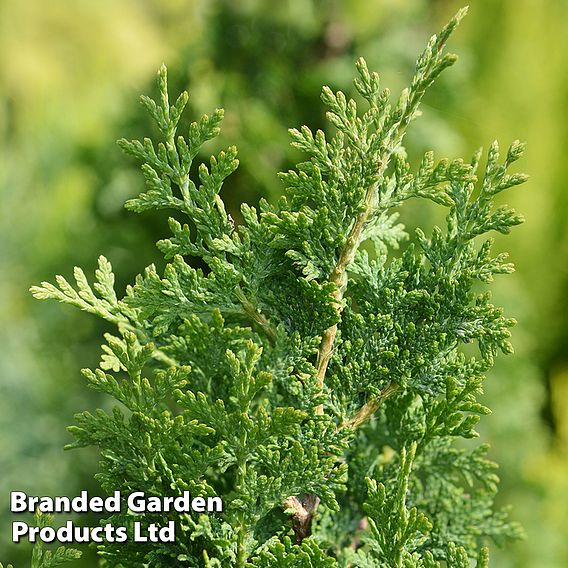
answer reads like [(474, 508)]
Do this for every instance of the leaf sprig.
[(306, 373)]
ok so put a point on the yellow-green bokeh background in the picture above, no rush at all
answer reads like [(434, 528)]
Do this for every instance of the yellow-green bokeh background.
[(70, 74)]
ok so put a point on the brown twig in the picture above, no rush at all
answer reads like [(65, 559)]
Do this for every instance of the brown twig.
[(339, 278), (259, 319), (303, 513), (370, 407)]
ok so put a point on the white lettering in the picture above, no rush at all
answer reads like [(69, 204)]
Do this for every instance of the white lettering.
[(136, 502), (19, 529), (112, 504), (138, 533), (168, 534), (198, 504), (154, 505), (214, 505), (96, 505), (18, 502)]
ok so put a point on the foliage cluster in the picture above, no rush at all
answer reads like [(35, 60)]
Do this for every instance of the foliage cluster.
[(315, 371)]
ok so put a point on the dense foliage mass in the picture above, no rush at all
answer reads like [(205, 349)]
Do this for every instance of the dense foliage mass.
[(314, 371)]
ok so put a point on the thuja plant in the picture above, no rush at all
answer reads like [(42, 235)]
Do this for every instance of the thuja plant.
[(315, 370)]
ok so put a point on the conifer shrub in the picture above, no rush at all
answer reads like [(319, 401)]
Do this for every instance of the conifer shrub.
[(321, 367)]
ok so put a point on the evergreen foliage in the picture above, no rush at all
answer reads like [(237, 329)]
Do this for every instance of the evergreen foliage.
[(42, 558), (46, 558), (314, 372)]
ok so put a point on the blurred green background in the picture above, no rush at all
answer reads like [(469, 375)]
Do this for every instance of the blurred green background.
[(70, 76)]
